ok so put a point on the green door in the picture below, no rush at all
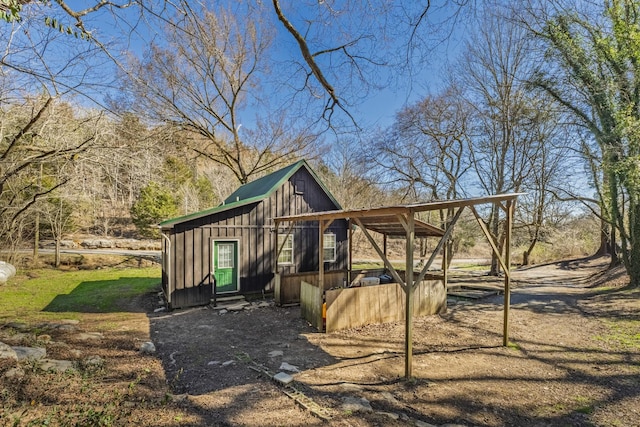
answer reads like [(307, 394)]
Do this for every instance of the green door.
[(225, 264)]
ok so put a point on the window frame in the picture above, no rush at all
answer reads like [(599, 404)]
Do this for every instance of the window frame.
[(333, 248), (286, 249)]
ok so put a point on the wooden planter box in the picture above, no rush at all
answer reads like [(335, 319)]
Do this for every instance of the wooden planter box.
[(353, 307), (287, 287)]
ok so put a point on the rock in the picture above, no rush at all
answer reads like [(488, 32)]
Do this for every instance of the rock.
[(7, 352), (20, 336), (56, 365), (94, 361), (30, 353), (283, 378), (179, 397), (419, 423), (75, 353), (213, 362), (223, 311), (86, 336), (356, 404), (238, 307), (228, 363), (351, 387), (14, 373), (264, 304), (391, 415), (44, 338), (276, 353), (160, 309), (19, 326), (97, 244), (286, 367), (389, 397), (6, 272), (148, 347), (67, 328)]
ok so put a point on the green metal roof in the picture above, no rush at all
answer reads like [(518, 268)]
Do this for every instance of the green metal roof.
[(261, 187), (252, 192)]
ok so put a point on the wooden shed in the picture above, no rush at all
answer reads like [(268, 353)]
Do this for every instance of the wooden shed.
[(232, 248)]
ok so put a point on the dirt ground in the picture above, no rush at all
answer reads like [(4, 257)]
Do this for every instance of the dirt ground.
[(574, 360)]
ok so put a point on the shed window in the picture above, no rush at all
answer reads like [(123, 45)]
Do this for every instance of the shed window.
[(329, 247), (299, 186), (286, 254)]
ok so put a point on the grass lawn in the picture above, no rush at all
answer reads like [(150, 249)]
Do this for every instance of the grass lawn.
[(52, 294)]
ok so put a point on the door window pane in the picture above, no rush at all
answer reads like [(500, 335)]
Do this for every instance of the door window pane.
[(225, 255)]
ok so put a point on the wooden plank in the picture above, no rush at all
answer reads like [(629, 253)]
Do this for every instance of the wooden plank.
[(277, 294), (311, 304), (507, 272), (381, 254), (188, 259), (399, 209), (290, 283), (179, 256), (409, 290), (354, 307), (198, 272)]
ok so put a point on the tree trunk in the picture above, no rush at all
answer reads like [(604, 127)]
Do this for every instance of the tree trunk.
[(605, 241), (36, 238), (57, 254), (632, 264)]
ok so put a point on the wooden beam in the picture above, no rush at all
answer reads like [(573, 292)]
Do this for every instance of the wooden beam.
[(442, 241), (321, 228), (491, 240), (408, 276), (350, 254), (400, 209), (445, 269), (382, 256), (507, 275)]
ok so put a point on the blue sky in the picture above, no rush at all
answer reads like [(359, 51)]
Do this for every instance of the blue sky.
[(379, 106)]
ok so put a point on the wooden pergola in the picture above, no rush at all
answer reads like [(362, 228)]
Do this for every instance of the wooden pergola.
[(400, 221)]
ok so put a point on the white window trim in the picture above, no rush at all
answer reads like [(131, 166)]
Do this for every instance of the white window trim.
[(284, 248), (334, 247)]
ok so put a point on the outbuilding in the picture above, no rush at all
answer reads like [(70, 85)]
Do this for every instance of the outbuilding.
[(232, 248)]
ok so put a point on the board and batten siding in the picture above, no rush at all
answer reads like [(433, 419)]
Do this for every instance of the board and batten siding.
[(253, 227)]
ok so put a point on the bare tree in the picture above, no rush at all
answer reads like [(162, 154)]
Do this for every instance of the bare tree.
[(206, 79), (511, 140), (425, 150), (36, 132), (426, 154), (595, 77)]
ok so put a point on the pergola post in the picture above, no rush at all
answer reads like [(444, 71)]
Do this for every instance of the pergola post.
[(350, 255), (408, 289), (507, 272)]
